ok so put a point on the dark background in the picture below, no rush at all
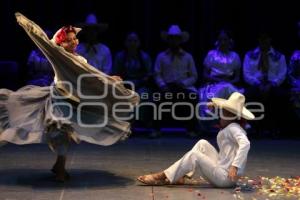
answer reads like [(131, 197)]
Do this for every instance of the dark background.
[(201, 18)]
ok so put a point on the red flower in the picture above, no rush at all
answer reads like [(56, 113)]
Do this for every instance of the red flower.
[(61, 36)]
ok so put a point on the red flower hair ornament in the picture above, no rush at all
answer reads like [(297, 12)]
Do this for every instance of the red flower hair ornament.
[(61, 34)]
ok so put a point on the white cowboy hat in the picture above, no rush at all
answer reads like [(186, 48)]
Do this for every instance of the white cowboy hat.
[(91, 24), (234, 104), (174, 30)]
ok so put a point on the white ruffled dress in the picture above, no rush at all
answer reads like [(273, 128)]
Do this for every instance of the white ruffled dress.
[(76, 109)]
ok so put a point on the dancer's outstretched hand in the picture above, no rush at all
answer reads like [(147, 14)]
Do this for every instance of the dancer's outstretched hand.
[(28, 25), (117, 78), (232, 173)]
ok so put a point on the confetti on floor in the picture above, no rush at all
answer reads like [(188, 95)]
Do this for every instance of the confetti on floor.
[(275, 188)]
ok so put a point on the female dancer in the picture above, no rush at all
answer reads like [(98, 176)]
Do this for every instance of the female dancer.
[(80, 105)]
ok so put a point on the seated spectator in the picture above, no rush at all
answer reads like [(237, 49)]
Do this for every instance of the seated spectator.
[(175, 72), (134, 65), (40, 71), (294, 82), (264, 73), (222, 64), (222, 68), (96, 53)]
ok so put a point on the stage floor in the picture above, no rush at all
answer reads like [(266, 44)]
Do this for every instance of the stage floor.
[(109, 172)]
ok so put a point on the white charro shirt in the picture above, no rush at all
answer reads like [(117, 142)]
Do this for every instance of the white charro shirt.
[(276, 71), (175, 68), (234, 147), (97, 55)]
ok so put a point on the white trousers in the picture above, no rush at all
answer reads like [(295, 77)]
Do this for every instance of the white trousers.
[(204, 158)]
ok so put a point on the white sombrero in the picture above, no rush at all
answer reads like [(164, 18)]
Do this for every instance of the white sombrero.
[(174, 30), (234, 104), (91, 24)]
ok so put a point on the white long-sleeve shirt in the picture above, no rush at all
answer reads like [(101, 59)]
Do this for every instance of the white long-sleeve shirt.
[(277, 68), (221, 64), (175, 68), (234, 147), (97, 55)]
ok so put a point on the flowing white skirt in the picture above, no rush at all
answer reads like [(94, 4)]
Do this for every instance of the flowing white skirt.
[(82, 108)]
